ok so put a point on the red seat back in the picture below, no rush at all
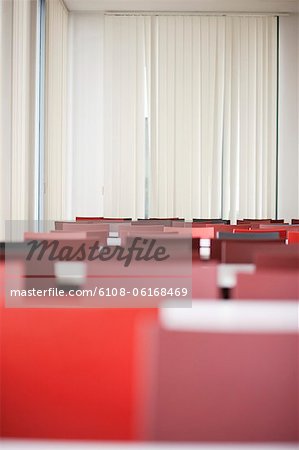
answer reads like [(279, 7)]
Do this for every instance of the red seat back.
[(67, 373), (271, 285), (282, 232), (218, 386), (245, 251), (293, 237), (204, 280), (80, 218)]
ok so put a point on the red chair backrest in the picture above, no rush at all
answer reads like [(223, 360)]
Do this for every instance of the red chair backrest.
[(68, 373), (80, 218), (270, 285), (164, 218), (204, 280), (148, 222), (82, 226), (244, 251), (282, 232), (293, 237), (230, 228), (254, 221), (117, 219), (277, 261), (286, 227), (196, 384)]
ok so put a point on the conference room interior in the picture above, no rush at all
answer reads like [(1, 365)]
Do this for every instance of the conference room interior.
[(149, 224)]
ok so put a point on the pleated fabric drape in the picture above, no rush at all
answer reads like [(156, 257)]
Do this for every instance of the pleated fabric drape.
[(213, 116), (125, 53), (85, 114), (187, 116), (17, 111), (56, 180), (250, 111), (209, 84)]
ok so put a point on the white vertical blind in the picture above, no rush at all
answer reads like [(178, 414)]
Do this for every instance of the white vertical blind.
[(17, 91), (55, 200), (288, 136), (214, 115), (208, 86), (187, 115), (5, 112), (249, 144), (85, 114), (126, 41)]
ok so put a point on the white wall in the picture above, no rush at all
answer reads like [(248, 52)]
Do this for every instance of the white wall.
[(288, 150), (85, 114)]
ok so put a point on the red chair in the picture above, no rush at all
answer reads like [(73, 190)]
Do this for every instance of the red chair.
[(79, 218), (295, 221), (249, 235), (148, 222), (203, 233), (293, 237), (283, 260), (81, 226), (117, 219), (204, 280), (241, 251), (279, 226), (230, 228), (60, 223), (216, 385), (254, 221), (212, 221), (276, 261), (108, 219), (68, 373), (147, 232), (282, 232), (181, 224), (124, 230), (164, 218), (271, 285)]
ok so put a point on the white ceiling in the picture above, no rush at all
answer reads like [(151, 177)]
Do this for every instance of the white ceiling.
[(185, 5)]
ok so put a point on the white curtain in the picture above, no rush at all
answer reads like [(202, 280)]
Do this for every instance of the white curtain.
[(249, 138), (126, 52), (213, 117), (187, 116), (17, 109), (207, 86), (55, 198), (85, 114), (4, 112)]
